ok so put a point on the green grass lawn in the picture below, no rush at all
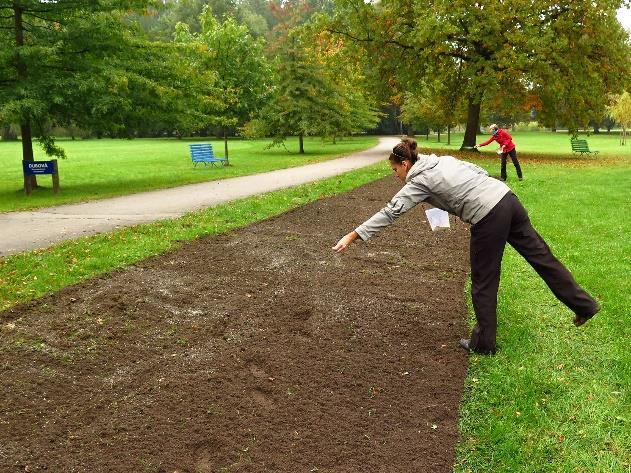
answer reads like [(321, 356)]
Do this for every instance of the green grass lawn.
[(105, 168), (538, 142)]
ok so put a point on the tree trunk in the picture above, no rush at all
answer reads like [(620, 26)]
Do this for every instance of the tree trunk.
[(302, 145), (473, 125), (448, 134), (30, 182), (225, 146)]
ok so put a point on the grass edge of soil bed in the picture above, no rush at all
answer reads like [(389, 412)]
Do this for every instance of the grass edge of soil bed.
[(30, 275)]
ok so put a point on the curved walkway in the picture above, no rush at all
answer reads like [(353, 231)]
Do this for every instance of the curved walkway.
[(23, 231)]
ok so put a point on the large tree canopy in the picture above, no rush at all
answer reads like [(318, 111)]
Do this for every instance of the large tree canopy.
[(45, 49), (565, 55)]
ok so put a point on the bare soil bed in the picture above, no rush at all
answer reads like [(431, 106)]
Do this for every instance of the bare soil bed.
[(259, 350)]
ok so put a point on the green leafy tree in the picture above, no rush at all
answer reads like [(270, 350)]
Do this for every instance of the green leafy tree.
[(352, 108), (433, 105), (79, 62), (302, 100), (423, 112), (317, 91), (238, 61), (620, 111), (163, 20), (508, 106), (189, 12), (8, 133)]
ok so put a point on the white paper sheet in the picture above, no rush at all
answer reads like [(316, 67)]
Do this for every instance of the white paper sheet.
[(437, 218)]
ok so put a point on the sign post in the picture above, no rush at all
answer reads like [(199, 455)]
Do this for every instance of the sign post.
[(35, 168)]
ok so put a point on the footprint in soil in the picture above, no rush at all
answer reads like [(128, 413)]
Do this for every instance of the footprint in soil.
[(263, 399), (260, 396), (210, 455), (258, 372), (299, 322)]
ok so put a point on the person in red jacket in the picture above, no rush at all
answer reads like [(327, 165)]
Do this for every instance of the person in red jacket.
[(507, 148)]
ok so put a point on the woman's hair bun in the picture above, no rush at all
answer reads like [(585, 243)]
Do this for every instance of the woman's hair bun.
[(410, 142), (406, 149)]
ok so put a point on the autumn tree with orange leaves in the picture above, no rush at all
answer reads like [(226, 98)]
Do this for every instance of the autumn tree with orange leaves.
[(569, 54)]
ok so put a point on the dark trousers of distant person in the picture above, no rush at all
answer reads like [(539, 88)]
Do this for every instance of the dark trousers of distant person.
[(513, 156), (508, 222)]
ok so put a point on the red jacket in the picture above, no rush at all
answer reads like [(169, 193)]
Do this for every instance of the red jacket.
[(503, 138)]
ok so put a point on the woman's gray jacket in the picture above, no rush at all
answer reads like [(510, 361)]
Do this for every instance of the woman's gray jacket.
[(459, 187)]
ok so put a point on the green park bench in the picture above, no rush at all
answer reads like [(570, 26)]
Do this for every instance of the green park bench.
[(581, 146)]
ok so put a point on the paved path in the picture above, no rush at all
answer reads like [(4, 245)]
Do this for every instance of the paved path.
[(22, 231)]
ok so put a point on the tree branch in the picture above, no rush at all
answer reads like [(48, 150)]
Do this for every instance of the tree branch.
[(51, 20), (43, 27), (463, 25), (370, 40), (57, 68), (457, 55)]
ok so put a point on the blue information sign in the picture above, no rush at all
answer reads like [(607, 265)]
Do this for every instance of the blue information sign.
[(38, 167)]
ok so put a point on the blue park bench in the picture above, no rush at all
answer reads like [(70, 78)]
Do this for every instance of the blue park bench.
[(203, 153), (581, 146)]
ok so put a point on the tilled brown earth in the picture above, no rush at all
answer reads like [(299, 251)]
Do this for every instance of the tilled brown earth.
[(256, 351)]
